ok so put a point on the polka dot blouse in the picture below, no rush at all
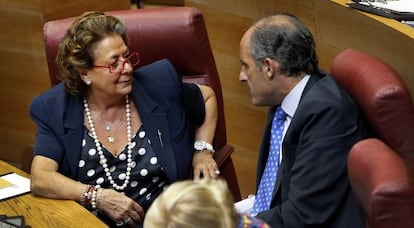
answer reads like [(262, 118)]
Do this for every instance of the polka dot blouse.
[(147, 178)]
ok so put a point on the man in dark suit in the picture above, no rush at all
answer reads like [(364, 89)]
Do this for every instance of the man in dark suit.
[(279, 64)]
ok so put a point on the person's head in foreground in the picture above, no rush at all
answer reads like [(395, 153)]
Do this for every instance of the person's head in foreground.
[(204, 203), (201, 203)]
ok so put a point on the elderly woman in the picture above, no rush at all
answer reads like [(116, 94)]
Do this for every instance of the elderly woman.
[(113, 138)]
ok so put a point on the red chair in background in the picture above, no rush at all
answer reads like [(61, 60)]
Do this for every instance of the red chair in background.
[(381, 169), (175, 33)]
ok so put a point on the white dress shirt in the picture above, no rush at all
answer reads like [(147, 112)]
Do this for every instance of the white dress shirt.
[(290, 104)]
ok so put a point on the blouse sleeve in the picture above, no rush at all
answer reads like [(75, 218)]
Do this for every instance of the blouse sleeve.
[(193, 103)]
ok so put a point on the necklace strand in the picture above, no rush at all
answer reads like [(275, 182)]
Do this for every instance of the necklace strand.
[(108, 127), (102, 159)]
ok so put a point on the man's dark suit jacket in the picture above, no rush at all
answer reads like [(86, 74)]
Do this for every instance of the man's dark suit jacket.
[(312, 189), (164, 104)]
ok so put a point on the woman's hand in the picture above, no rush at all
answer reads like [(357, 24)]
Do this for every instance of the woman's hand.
[(120, 208), (204, 165)]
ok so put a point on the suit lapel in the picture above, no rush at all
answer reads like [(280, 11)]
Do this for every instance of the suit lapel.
[(73, 132), (156, 125), (312, 80)]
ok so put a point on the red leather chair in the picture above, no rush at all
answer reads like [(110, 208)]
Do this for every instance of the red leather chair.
[(381, 169), (175, 33)]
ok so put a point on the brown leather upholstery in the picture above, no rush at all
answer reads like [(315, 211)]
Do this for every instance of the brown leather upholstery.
[(381, 169), (175, 33)]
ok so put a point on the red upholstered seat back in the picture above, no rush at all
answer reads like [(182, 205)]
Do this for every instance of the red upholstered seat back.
[(381, 170), (383, 97), (178, 34)]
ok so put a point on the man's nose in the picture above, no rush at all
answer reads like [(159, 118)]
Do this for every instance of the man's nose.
[(242, 76)]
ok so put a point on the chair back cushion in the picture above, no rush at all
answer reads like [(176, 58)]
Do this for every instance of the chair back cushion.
[(382, 184), (175, 33), (383, 97)]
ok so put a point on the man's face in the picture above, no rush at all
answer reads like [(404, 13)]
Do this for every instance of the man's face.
[(267, 86)]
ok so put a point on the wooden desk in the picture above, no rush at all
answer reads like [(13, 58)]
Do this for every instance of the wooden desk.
[(42, 212), (341, 27)]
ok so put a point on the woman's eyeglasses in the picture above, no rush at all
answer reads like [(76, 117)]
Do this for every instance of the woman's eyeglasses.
[(118, 66)]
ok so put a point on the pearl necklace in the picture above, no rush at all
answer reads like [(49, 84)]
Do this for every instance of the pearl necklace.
[(102, 159)]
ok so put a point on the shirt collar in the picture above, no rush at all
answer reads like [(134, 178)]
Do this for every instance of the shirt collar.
[(291, 101)]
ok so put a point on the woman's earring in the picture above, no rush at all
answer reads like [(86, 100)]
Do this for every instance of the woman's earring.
[(86, 79)]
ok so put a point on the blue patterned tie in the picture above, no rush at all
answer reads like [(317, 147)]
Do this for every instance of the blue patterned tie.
[(267, 183)]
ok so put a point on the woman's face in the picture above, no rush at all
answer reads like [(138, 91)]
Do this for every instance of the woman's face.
[(110, 51)]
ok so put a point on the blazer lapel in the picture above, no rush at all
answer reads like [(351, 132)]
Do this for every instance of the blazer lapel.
[(73, 132), (156, 125), (312, 80)]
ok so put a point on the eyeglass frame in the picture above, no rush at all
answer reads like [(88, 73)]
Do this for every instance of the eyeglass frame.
[(127, 60)]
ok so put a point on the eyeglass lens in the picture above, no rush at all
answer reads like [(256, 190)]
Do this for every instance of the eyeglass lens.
[(119, 65)]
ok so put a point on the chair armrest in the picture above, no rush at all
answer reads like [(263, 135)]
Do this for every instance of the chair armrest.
[(382, 184), (223, 153), (227, 171)]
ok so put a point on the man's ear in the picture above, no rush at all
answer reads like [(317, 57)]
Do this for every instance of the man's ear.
[(270, 67)]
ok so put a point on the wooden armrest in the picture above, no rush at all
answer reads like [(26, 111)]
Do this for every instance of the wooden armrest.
[(223, 153)]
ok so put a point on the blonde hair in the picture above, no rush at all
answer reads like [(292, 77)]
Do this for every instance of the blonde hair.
[(185, 204)]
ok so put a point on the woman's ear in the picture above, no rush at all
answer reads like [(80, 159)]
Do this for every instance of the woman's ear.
[(85, 78)]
